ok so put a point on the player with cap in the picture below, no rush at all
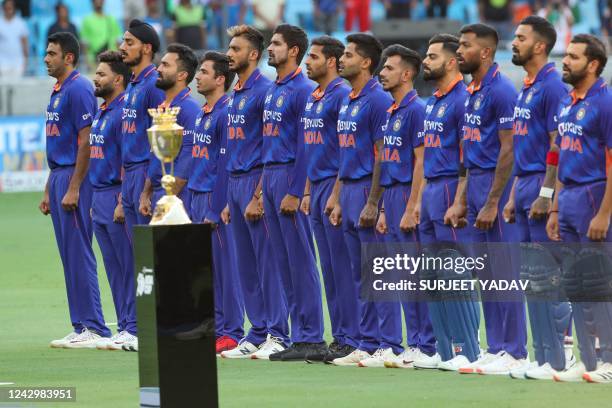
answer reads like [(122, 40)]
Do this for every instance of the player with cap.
[(68, 192)]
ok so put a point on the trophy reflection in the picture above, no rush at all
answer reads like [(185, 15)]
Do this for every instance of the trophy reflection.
[(166, 138)]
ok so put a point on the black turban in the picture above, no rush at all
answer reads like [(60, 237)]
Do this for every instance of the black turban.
[(145, 33)]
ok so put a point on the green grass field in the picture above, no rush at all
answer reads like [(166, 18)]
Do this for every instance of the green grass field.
[(34, 310)]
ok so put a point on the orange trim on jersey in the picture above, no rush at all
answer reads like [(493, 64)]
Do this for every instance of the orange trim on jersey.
[(439, 94), (318, 93), (472, 87), (577, 98), (609, 162), (296, 73), (239, 84), (393, 107), (529, 82), (58, 86), (207, 109)]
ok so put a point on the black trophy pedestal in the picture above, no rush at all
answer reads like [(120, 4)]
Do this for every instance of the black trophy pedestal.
[(176, 320)]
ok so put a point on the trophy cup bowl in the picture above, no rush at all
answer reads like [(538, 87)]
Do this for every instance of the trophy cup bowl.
[(166, 138)]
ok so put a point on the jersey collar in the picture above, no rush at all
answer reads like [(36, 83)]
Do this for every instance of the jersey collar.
[(113, 104), (289, 77), (185, 92), (542, 73), (595, 88), (490, 75), (406, 100), (255, 75), (439, 93), (369, 86), (222, 101), (318, 93), (72, 76), (145, 73)]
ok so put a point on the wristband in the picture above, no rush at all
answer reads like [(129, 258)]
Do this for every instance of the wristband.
[(547, 192), (552, 158), (462, 170), (258, 196), (382, 210), (306, 195)]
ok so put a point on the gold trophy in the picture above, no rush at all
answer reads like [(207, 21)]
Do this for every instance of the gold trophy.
[(166, 138)]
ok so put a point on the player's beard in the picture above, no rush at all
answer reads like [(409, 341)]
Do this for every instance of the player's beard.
[(165, 83), (434, 74), (468, 67), (519, 60), (241, 66), (277, 61), (575, 77), (349, 74), (103, 91), (136, 61), (316, 74)]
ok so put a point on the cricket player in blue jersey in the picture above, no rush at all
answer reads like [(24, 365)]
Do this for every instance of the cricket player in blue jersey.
[(487, 149), (68, 192), (402, 176), (283, 181), (455, 322), (140, 43), (265, 301), (175, 72), (535, 154), (105, 174), (321, 150), (208, 186), (361, 120), (583, 198)]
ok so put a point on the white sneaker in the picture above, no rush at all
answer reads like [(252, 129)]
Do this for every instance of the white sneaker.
[(543, 372), (116, 342), (271, 346), (87, 339), (352, 359), (519, 373), (603, 374), (378, 358), (454, 364), (573, 374), (485, 358), (60, 343), (404, 360), (244, 349), (130, 344), (427, 362), (502, 365)]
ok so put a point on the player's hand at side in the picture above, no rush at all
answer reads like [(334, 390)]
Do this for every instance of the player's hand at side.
[(290, 204), (552, 227), (410, 219), (119, 214), (225, 215), (456, 216), (598, 228), (381, 225), (305, 205), (144, 206), (368, 215), (486, 217), (209, 222), (539, 208), (335, 218), (254, 209), (330, 204), (509, 212), (70, 200), (44, 205)]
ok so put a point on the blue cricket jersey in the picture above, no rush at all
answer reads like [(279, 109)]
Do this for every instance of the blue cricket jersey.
[(444, 129), (71, 108), (585, 134), (141, 94), (534, 119), (244, 133), (403, 133), (489, 109), (320, 136), (360, 124), (105, 144), (186, 118)]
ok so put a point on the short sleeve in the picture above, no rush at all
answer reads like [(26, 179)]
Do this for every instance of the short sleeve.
[(605, 119), (187, 117), (378, 116), (83, 106), (552, 98), (417, 124), (504, 100)]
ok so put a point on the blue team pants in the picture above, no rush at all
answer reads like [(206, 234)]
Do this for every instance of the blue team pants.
[(131, 188), (294, 256), (73, 233), (117, 254)]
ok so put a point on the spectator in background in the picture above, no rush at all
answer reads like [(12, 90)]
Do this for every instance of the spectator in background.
[(326, 15), (189, 25), (160, 23), (357, 9), (225, 13), (133, 9), (399, 8), (559, 14), (62, 22), (605, 16), (267, 14), (99, 32), (440, 5), (498, 14), (13, 42)]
